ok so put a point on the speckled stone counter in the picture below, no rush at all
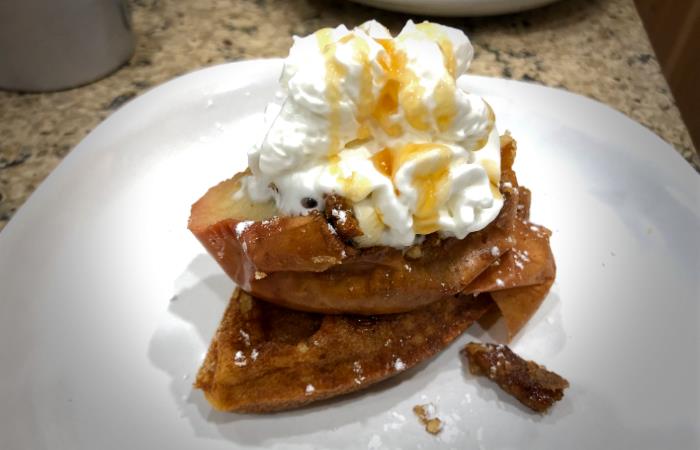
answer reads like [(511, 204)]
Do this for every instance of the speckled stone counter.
[(597, 48)]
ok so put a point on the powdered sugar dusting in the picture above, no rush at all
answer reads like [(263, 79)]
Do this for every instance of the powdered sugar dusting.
[(239, 359), (357, 368), (520, 258), (246, 337), (397, 422), (375, 442), (429, 411), (340, 215), (242, 226)]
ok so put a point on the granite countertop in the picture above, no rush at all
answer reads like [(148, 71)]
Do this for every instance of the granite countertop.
[(597, 48)]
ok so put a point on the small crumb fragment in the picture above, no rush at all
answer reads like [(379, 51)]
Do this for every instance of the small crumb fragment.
[(426, 415), (245, 302), (359, 376), (414, 252), (260, 275), (325, 260), (434, 426), (339, 214), (533, 385)]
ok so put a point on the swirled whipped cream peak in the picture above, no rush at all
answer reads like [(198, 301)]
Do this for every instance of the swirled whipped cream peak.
[(381, 121)]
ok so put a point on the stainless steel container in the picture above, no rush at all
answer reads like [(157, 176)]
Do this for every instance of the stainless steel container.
[(57, 44)]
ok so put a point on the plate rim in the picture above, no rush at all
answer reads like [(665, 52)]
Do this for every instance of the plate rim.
[(457, 8)]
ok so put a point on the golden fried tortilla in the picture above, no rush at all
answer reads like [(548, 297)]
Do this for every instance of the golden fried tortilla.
[(266, 358)]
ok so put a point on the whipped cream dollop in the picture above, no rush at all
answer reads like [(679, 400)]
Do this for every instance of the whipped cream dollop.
[(381, 121)]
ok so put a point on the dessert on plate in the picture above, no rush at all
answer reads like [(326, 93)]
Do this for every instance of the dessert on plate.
[(378, 218)]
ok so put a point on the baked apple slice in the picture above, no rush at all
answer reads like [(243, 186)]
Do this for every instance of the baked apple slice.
[(301, 263)]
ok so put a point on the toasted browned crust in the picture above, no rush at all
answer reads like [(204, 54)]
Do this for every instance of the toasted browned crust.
[(340, 215), (529, 262), (263, 357)]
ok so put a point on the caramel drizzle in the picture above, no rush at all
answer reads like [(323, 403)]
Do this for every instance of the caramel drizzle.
[(402, 88), (430, 183)]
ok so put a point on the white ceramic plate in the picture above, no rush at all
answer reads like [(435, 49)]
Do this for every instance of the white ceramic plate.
[(108, 303), (456, 7)]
